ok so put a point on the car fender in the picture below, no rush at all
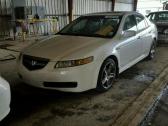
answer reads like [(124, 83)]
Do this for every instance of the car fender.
[(100, 60)]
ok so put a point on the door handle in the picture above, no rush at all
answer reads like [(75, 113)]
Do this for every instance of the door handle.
[(118, 48), (139, 37)]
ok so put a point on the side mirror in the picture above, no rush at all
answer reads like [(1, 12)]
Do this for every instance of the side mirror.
[(129, 33)]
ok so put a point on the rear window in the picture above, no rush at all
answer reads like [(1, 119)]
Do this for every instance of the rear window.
[(156, 17)]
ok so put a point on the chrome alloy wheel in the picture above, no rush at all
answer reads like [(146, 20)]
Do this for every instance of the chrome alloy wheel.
[(108, 74), (152, 51)]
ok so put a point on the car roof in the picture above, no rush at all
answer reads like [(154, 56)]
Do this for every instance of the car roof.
[(112, 13), (159, 11)]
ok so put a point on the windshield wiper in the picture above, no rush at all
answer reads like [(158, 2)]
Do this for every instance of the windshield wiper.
[(98, 35)]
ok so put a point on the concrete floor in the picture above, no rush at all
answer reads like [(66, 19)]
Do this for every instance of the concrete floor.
[(161, 112), (36, 107)]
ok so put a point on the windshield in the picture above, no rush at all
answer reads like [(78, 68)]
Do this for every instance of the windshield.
[(156, 17), (93, 26)]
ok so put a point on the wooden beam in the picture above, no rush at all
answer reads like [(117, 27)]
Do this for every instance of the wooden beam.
[(113, 5), (135, 5), (70, 10)]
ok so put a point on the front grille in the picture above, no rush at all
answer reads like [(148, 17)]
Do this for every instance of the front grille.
[(34, 63)]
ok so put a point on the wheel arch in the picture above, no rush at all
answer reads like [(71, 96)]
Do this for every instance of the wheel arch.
[(116, 61)]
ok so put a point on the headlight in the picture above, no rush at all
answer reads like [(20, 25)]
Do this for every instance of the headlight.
[(166, 31), (72, 63)]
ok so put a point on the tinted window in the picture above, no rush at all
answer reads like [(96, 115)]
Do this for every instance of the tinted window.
[(141, 23), (153, 17), (130, 23), (161, 16), (93, 26), (150, 16), (79, 26)]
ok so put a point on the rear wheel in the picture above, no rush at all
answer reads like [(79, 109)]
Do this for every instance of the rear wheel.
[(152, 51), (107, 75)]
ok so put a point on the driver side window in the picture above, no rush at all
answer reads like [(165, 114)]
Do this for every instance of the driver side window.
[(130, 23)]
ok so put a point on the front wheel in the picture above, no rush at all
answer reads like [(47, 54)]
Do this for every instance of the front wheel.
[(107, 75), (152, 51)]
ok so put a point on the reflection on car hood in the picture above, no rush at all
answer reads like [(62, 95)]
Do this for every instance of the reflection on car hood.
[(62, 46)]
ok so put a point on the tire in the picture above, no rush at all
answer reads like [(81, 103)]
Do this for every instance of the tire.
[(152, 51), (107, 75)]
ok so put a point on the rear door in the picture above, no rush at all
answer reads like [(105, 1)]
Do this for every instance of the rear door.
[(144, 33)]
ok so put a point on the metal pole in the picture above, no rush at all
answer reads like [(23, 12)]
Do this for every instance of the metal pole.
[(70, 10), (13, 20), (113, 4), (135, 5)]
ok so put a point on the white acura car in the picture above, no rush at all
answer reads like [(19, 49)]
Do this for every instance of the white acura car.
[(5, 98), (89, 52)]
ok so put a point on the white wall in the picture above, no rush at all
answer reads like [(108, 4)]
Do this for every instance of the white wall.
[(82, 7), (146, 6), (124, 5)]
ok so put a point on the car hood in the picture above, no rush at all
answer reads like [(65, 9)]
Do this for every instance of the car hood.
[(61, 46)]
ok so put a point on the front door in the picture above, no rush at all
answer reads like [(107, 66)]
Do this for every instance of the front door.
[(131, 47)]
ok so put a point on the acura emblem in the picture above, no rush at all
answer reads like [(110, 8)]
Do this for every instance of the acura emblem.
[(33, 63)]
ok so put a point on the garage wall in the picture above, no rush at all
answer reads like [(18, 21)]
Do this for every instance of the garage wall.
[(82, 7), (52, 8), (5, 17), (5, 7), (58, 9), (124, 5)]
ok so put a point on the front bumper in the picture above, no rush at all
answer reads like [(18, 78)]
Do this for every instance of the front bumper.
[(62, 79)]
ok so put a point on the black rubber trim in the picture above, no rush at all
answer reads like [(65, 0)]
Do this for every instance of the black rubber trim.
[(60, 84)]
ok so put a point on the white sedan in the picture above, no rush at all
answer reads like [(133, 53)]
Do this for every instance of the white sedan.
[(5, 98), (89, 52)]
